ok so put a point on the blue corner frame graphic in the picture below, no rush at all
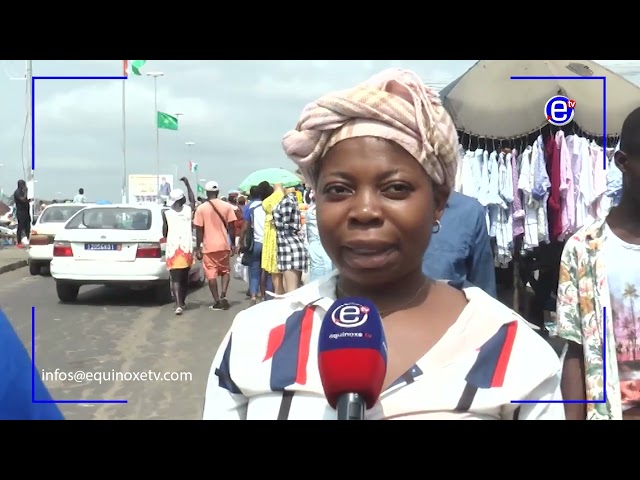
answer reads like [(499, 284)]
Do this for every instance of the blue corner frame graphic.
[(604, 311), (34, 370)]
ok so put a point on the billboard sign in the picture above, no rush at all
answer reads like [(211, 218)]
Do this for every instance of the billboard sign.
[(148, 188)]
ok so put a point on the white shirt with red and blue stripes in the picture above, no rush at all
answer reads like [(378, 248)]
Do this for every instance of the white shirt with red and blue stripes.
[(266, 367)]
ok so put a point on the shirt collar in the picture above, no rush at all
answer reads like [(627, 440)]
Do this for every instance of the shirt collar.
[(321, 292)]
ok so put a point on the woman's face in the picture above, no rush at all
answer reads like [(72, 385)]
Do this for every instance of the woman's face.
[(376, 209)]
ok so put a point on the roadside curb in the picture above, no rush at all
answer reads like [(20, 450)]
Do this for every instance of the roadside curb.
[(10, 267)]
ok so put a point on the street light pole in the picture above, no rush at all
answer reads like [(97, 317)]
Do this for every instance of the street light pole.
[(28, 75), (155, 76), (30, 140), (125, 179), (177, 115), (195, 174)]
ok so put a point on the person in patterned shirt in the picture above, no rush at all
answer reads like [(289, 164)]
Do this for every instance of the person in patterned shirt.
[(598, 311)]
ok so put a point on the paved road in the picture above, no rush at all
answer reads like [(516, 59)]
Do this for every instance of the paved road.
[(111, 330), (12, 258)]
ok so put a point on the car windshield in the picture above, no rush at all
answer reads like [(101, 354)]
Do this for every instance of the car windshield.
[(112, 219), (59, 214)]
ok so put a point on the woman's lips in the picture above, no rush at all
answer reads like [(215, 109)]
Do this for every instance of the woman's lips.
[(369, 257)]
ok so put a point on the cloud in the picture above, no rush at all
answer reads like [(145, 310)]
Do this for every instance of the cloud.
[(235, 111), (80, 129), (99, 106)]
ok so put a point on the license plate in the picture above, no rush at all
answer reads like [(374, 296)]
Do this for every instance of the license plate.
[(110, 247)]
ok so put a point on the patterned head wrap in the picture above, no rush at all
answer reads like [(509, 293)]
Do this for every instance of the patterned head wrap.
[(394, 105)]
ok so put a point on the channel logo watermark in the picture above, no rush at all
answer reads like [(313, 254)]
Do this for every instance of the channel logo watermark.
[(560, 110)]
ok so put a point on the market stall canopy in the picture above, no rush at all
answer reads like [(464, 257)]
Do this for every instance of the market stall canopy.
[(485, 102)]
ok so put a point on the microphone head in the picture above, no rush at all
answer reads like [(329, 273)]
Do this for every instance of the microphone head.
[(352, 351)]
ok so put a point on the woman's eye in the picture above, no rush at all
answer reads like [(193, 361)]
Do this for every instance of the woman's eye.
[(398, 188), (336, 190)]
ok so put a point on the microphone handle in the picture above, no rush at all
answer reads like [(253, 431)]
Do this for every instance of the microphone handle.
[(350, 406)]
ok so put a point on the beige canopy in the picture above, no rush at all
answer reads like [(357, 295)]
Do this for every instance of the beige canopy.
[(485, 102)]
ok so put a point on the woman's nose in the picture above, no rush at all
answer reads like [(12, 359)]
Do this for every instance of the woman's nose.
[(366, 208)]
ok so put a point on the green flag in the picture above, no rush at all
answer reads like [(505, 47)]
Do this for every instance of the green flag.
[(136, 65), (201, 192), (167, 121)]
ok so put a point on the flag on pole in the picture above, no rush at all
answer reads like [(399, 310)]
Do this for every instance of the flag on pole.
[(136, 65), (193, 167), (125, 68), (201, 192), (166, 121)]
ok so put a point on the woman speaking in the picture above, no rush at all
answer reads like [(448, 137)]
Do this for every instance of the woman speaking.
[(381, 158)]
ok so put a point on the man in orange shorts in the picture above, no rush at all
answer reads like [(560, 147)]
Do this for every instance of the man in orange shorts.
[(215, 221)]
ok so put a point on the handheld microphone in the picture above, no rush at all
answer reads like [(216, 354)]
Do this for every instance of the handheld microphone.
[(352, 357)]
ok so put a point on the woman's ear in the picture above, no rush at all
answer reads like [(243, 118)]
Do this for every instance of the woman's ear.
[(620, 159), (441, 197)]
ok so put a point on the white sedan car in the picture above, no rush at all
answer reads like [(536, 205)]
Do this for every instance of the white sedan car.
[(44, 230), (114, 245)]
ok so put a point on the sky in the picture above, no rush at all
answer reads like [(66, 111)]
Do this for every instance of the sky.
[(235, 112)]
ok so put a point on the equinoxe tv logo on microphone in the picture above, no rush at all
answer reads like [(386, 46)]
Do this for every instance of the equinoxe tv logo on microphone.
[(560, 110), (350, 315)]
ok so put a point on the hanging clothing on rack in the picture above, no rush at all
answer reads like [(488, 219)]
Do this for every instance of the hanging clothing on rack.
[(614, 181), (525, 184), (457, 184), (517, 211), (502, 208), (541, 185), (567, 188), (543, 194), (554, 212)]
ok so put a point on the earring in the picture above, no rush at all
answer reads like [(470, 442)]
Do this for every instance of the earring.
[(437, 227)]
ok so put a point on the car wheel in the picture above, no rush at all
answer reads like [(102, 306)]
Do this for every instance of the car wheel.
[(162, 293), (34, 268), (67, 292)]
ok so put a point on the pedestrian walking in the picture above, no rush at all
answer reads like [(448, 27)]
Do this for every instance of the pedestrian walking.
[(252, 236), (23, 215), (292, 258), (215, 223), (177, 229)]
